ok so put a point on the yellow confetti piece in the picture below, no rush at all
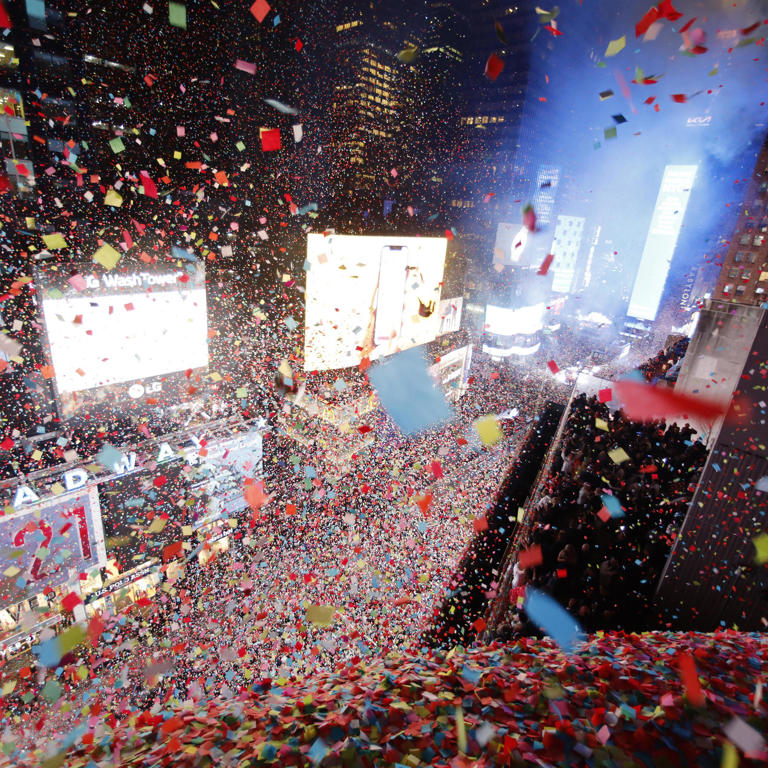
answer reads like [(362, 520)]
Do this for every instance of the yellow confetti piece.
[(55, 241), (730, 756), (601, 424), (321, 615), (461, 731), (107, 256), (520, 514), (761, 548), (488, 430), (8, 688), (157, 525), (618, 455), (113, 198), (615, 46)]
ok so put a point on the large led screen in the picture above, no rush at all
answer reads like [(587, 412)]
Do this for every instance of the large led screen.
[(668, 214), (113, 335), (370, 297), (43, 544)]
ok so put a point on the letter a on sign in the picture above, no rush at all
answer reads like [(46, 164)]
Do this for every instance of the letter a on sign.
[(24, 495)]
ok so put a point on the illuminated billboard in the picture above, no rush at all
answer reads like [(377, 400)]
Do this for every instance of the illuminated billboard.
[(450, 315), (509, 248), (43, 544), (113, 334), (513, 331), (370, 297), (661, 240)]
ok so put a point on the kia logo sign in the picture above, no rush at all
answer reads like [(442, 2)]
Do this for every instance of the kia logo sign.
[(696, 121)]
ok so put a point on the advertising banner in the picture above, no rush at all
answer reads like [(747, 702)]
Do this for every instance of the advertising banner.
[(370, 296), (48, 544)]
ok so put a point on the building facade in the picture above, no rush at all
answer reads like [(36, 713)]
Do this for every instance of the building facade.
[(744, 274)]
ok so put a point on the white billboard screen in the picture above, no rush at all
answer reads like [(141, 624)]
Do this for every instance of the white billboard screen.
[(662, 237), (106, 329), (370, 297), (509, 322), (450, 315)]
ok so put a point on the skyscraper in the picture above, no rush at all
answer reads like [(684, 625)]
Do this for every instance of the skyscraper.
[(744, 274), (393, 104)]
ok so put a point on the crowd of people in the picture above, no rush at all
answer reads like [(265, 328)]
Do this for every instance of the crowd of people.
[(659, 365), (604, 525), (375, 544)]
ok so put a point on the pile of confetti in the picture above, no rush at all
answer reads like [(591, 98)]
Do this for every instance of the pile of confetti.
[(651, 699)]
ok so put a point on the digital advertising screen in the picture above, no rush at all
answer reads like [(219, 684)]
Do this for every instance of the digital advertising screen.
[(370, 297), (48, 544), (116, 336), (668, 215), (513, 331), (143, 517), (450, 315)]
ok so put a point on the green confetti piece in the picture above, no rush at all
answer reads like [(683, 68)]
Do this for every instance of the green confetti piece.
[(177, 15), (51, 690), (117, 144)]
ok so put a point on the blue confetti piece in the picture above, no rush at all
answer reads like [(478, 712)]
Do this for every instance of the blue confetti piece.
[(276, 20), (48, 652), (407, 392), (109, 457), (182, 253), (471, 675), (553, 619), (318, 751), (613, 505), (762, 483)]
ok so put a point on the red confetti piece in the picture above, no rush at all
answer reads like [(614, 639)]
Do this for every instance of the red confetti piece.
[(172, 551), (643, 402), (270, 140), (71, 600), (552, 365), (531, 557), (260, 9), (690, 679), (605, 395), (480, 524), (544, 268), (493, 67)]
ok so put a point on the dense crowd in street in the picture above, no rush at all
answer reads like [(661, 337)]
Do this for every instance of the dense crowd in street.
[(375, 547), (607, 517)]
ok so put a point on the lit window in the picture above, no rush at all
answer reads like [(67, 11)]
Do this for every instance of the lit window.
[(733, 273), (759, 240), (740, 290), (745, 239), (728, 289)]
